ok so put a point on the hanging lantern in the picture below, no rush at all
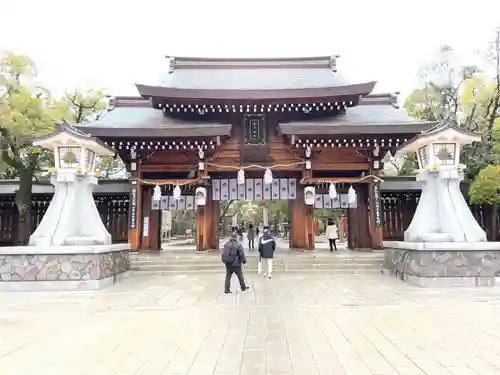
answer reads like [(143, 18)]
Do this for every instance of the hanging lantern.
[(177, 192), (157, 193), (332, 192), (241, 177), (268, 177), (351, 195)]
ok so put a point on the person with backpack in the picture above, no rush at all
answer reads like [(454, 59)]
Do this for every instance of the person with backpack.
[(267, 246), (233, 256)]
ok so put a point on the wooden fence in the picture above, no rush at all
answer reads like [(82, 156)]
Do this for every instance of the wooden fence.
[(399, 208), (112, 207)]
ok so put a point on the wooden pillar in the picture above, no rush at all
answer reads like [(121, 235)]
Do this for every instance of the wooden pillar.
[(145, 227), (359, 232), (376, 214), (154, 230), (134, 215), (302, 236), (134, 212), (207, 224)]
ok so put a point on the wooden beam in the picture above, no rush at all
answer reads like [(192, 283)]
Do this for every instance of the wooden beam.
[(183, 168), (330, 166), (336, 180)]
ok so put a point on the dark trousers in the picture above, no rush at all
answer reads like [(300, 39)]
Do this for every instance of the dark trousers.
[(229, 273), (251, 244), (332, 243)]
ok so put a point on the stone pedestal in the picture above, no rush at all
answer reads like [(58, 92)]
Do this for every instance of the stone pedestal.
[(72, 217), (443, 264), (36, 268), (71, 248), (444, 245)]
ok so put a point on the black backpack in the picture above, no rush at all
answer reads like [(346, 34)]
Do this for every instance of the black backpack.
[(228, 254)]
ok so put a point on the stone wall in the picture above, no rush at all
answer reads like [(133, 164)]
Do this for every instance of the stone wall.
[(443, 268), (67, 267)]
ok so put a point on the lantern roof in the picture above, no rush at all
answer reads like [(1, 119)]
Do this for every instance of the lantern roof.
[(443, 132), (67, 135)]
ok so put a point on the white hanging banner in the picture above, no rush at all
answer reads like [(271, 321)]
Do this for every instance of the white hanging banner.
[(241, 192), (249, 189), (164, 202), (336, 202), (224, 190), (318, 201), (189, 202), (267, 192), (181, 203), (233, 189), (283, 189), (258, 193), (216, 190), (344, 201), (292, 188), (327, 202), (275, 189), (172, 203)]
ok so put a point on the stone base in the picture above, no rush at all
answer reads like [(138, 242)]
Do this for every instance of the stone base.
[(449, 264), (34, 268), (62, 285)]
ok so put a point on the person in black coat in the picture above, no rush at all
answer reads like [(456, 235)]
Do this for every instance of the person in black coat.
[(233, 257), (267, 247)]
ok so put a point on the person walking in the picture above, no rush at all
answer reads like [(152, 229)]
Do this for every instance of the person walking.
[(267, 247), (332, 234), (233, 257), (251, 237)]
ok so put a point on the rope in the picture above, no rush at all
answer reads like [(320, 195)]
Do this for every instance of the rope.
[(256, 166), (169, 182)]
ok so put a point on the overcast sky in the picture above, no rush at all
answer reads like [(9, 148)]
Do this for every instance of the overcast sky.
[(113, 44)]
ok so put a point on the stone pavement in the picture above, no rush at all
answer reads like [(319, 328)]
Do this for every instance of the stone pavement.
[(314, 324)]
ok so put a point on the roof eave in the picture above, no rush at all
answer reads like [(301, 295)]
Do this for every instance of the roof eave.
[(358, 129), (362, 89)]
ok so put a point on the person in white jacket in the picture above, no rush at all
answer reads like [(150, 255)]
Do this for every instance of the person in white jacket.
[(332, 234)]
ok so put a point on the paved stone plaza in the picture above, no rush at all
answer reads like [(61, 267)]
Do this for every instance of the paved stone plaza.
[(288, 325)]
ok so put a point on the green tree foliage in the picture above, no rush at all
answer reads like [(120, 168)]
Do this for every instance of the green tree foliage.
[(486, 187), (26, 111), (465, 96), (87, 106)]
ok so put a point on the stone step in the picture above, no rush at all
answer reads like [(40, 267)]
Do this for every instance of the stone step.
[(254, 261), (221, 272), (284, 267)]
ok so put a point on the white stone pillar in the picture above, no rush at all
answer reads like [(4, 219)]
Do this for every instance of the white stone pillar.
[(72, 217), (265, 216), (442, 214)]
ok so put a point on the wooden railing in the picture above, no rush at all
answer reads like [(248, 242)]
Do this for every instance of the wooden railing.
[(113, 209)]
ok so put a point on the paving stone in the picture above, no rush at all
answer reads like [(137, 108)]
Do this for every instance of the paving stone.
[(311, 324)]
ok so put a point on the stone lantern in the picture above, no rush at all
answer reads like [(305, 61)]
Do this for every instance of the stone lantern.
[(72, 217), (442, 214), (444, 245)]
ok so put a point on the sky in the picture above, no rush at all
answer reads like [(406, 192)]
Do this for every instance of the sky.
[(111, 44)]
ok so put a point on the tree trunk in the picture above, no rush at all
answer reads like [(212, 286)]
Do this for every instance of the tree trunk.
[(494, 228), (24, 206)]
